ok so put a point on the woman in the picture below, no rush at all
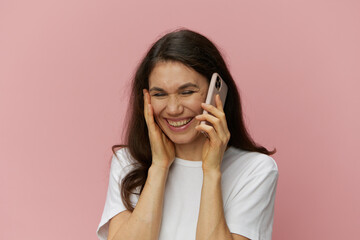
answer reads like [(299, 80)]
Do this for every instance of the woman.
[(170, 181)]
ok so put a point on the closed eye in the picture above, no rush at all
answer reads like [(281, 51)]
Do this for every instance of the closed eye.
[(159, 94), (188, 92), (163, 94)]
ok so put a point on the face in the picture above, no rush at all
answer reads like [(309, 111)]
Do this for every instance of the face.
[(177, 92)]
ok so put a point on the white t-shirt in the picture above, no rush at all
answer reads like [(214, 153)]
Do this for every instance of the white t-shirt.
[(248, 184)]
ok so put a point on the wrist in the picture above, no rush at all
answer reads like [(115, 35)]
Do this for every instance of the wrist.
[(212, 172), (158, 167)]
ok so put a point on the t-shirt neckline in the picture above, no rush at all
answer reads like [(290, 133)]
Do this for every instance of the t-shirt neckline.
[(195, 164)]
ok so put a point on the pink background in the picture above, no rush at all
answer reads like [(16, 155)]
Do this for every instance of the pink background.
[(65, 68)]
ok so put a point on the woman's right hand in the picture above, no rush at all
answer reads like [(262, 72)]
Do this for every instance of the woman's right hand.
[(162, 148)]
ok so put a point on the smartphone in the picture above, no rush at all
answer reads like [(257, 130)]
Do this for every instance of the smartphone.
[(216, 86)]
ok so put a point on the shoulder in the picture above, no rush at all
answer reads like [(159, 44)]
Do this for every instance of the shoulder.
[(122, 159), (249, 163)]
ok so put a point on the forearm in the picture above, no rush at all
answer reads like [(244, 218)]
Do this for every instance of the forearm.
[(145, 221), (211, 222)]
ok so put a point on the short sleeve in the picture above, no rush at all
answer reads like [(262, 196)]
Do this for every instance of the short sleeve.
[(113, 203), (250, 210)]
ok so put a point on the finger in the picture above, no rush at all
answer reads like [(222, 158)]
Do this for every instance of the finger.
[(218, 103), (216, 122), (217, 112), (222, 132), (214, 138), (148, 111), (212, 109), (145, 106)]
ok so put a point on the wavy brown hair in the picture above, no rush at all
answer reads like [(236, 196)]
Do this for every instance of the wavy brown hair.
[(193, 50)]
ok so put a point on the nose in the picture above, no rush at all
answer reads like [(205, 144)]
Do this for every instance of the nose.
[(174, 106)]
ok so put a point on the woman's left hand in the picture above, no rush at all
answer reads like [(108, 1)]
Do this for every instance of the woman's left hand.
[(218, 135)]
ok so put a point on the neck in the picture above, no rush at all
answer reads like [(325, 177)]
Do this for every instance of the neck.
[(192, 151)]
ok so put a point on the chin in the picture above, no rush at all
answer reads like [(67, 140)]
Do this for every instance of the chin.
[(180, 141), (184, 139)]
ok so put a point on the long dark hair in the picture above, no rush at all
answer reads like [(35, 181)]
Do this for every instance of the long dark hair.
[(193, 50)]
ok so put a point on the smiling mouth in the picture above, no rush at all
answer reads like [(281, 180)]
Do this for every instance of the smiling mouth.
[(179, 123)]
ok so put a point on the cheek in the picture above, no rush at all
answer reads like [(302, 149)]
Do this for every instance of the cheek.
[(195, 103), (157, 106), (157, 112)]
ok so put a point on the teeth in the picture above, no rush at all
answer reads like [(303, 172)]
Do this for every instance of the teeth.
[(179, 123)]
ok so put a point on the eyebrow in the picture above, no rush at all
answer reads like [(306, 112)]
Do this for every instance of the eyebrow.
[(186, 85)]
